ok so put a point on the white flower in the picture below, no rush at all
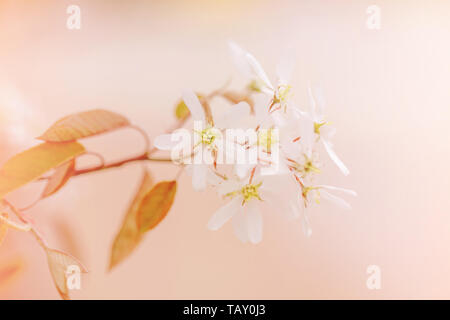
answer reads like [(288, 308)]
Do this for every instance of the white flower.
[(206, 142), (247, 197), (315, 194), (207, 137), (251, 68), (318, 192), (322, 129)]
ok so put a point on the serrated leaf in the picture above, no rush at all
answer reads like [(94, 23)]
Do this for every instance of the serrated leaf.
[(33, 163), (59, 263), (155, 205), (84, 124), (128, 236), (59, 178), (181, 110)]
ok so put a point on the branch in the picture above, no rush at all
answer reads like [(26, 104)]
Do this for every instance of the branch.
[(142, 157), (25, 220)]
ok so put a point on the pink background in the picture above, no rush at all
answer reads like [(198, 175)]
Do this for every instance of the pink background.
[(387, 94)]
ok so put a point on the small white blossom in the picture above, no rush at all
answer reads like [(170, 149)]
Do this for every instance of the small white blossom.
[(248, 197), (323, 131)]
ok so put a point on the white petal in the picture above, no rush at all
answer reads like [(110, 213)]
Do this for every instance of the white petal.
[(285, 67), (240, 226), (223, 214), (320, 100), (312, 102), (199, 177), (233, 116), (276, 166), (296, 207), (242, 170), (347, 191), (165, 142), (335, 200), (194, 105), (212, 178), (281, 196), (306, 227), (307, 135), (228, 186), (258, 70), (239, 59), (335, 158), (255, 222)]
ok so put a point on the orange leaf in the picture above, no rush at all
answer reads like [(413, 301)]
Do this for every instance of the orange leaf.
[(155, 205), (129, 237), (33, 163), (59, 178), (60, 264), (84, 124)]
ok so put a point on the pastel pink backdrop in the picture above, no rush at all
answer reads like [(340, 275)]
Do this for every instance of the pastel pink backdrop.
[(387, 95)]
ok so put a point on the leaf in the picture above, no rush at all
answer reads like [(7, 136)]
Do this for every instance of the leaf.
[(84, 124), (155, 205), (59, 178), (129, 237), (33, 163), (181, 110), (59, 263)]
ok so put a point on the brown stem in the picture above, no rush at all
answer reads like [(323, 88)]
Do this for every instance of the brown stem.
[(142, 157), (24, 219)]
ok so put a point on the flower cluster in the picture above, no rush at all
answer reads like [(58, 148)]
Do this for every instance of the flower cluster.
[(277, 146)]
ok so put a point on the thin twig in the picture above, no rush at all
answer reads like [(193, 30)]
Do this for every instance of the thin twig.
[(24, 219), (142, 157), (144, 135)]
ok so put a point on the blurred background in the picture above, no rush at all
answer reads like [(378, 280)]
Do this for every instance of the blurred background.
[(387, 95)]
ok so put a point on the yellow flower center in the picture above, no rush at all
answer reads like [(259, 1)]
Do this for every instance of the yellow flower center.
[(255, 85), (208, 136), (306, 190), (248, 192), (307, 167), (317, 126), (283, 93), (310, 167)]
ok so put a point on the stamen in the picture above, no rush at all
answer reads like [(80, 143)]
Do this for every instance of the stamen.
[(317, 126)]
